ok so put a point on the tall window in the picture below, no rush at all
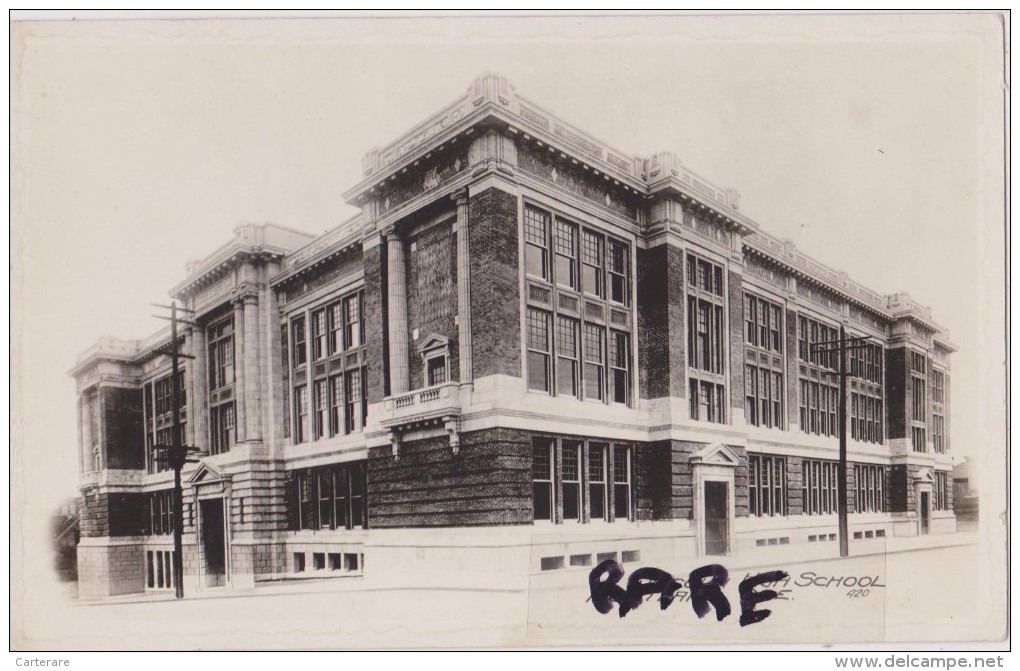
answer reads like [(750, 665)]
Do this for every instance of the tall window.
[(574, 480), (594, 362), (572, 506), (161, 513), (592, 277), (938, 409), (869, 487), (918, 402), (539, 377), (706, 339), (763, 323), (941, 497), (301, 414), (866, 392), (819, 393), (577, 309), (318, 334), (298, 338), (220, 338), (766, 482), (158, 419), (598, 495), (566, 357), (331, 497), (818, 488), (328, 399), (536, 242), (565, 240), (764, 396), (542, 469)]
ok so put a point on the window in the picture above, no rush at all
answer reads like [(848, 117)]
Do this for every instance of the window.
[(941, 494), (594, 363), (819, 489), (592, 281), (572, 508), (766, 481), (536, 244), (621, 483), (706, 339), (334, 385), (566, 357), (572, 348), (579, 470), (220, 336), (321, 407), (565, 241), (297, 328), (810, 333), (356, 408), (869, 488), (598, 498), (331, 497), (706, 401), (763, 323), (354, 327), (301, 414), (938, 433), (918, 402), (221, 428), (865, 417), (619, 282), (161, 513), (436, 370), (538, 350), (938, 386), (763, 397), (158, 419), (619, 354), (542, 468), (318, 334)]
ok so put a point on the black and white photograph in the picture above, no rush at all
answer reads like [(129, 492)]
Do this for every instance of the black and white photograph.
[(506, 331)]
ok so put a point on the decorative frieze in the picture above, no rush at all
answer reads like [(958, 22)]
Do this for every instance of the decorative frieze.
[(755, 266), (422, 181), (705, 226), (572, 178), (818, 296)]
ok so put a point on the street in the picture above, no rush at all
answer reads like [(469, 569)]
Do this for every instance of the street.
[(920, 595)]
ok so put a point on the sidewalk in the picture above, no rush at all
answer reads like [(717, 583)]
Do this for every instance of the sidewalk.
[(759, 558)]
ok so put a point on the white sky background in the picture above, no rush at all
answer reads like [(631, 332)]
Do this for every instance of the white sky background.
[(875, 143)]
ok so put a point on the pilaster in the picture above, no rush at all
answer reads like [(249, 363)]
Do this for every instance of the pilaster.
[(396, 276), (464, 290)]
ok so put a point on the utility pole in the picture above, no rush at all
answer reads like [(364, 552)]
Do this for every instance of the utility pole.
[(840, 347), (176, 454)]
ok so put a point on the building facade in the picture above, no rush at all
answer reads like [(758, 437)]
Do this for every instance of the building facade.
[(529, 352)]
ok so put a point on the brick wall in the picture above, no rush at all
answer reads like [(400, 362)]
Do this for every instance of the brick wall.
[(114, 514), (735, 308), (682, 478), (122, 419), (110, 570), (375, 329), (487, 483), (792, 370), (896, 377), (495, 288), (652, 482), (432, 296), (660, 314), (901, 493)]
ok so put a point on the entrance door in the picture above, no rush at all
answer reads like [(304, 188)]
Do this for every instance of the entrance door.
[(925, 512), (213, 542), (717, 511)]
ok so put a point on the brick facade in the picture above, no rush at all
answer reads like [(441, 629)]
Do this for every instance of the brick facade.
[(495, 284)]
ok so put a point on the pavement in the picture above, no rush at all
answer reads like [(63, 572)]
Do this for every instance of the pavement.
[(760, 558)]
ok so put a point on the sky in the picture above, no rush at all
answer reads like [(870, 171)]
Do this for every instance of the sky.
[(874, 142)]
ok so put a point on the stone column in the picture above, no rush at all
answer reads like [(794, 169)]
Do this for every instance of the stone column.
[(198, 396), (463, 290), (396, 276), (240, 435), (252, 355)]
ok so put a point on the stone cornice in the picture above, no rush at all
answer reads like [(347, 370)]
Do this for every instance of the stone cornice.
[(250, 243)]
